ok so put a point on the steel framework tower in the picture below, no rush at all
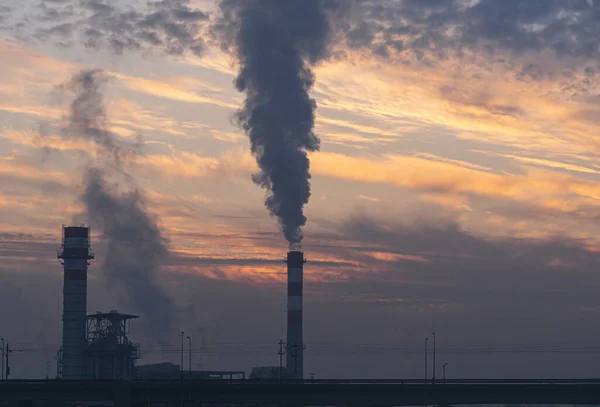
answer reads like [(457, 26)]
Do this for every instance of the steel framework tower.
[(75, 254), (295, 343), (111, 355)]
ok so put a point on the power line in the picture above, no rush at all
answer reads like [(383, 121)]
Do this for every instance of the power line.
[(366, 348)]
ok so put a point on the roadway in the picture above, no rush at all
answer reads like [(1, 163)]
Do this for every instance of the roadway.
[(354, 393)]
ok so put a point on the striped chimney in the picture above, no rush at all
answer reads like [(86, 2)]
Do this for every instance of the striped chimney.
[(75, 255), (295, 344)]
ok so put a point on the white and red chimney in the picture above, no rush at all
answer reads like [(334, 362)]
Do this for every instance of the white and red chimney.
[(295, 343)]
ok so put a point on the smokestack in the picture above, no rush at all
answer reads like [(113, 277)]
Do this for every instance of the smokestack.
[(75, 254), (295, 343)]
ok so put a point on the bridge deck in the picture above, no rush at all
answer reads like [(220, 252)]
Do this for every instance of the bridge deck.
[(356, 393)]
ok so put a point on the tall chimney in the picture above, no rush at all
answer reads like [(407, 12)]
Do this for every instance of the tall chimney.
[(75, 254), (295, 344)]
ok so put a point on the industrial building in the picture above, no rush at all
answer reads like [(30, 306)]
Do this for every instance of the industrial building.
[(110, 355), (97, 346), (93, 346), (270, 373)]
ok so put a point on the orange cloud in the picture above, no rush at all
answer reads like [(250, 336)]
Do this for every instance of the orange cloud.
[(175, 89), (451, 201), (535, 186), (472, 101), (34, 139), (192, 165)]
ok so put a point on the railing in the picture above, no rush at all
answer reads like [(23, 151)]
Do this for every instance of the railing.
[(344, 381)]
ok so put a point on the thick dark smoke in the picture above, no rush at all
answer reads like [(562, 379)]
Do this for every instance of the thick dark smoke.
[(136, 246), (276, 42)]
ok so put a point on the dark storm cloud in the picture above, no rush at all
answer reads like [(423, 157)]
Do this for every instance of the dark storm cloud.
[(276, 43), (4, 13), (171, 26), (438, 28), (423, 29), (136, 246), (54, 13), (456, 267)]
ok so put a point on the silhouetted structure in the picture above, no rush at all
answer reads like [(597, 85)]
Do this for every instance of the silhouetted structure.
[(295, 343), (169, 371), (110, 353), (75, 254), (269, 373)]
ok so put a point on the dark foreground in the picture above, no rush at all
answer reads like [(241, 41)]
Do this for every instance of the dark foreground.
[(358, 393)]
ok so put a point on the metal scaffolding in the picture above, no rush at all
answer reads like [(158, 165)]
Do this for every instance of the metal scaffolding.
[(110, 353)]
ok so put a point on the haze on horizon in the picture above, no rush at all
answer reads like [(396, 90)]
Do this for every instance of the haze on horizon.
[(456, 188)]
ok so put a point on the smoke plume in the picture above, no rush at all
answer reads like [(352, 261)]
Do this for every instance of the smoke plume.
[(136, 248), (87, 117), (276, 42)]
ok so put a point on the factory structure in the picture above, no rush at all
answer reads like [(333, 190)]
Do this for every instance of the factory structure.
[(97, 346), (93, 346)]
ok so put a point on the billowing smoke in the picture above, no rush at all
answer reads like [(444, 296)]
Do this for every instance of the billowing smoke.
[(136, 246), (87, 117), (276, 42)]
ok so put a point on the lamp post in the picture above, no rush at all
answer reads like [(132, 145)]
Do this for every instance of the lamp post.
[(181, 370), (2, 377), (433, 378), (281, 352), (190, 356), (426, 350), (426, 378), (444, 366)]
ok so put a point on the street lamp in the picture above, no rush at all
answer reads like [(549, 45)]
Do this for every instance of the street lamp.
[(433, 358), (426, 340), (2, 377), (444, 366), (181, 370), (190, 356)]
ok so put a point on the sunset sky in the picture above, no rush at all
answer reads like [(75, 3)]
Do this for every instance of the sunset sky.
[(456, 190)]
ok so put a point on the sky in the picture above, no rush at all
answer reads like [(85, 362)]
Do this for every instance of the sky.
[(455, 189)]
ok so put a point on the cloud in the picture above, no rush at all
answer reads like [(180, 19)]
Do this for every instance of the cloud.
[(368, 198), (434, 30), (170, 26), (451, 201), (20, 168), (233, 163), (446, 182), (553, 164), (484, 106), (459, 260), (178, 90), (534, 187)]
